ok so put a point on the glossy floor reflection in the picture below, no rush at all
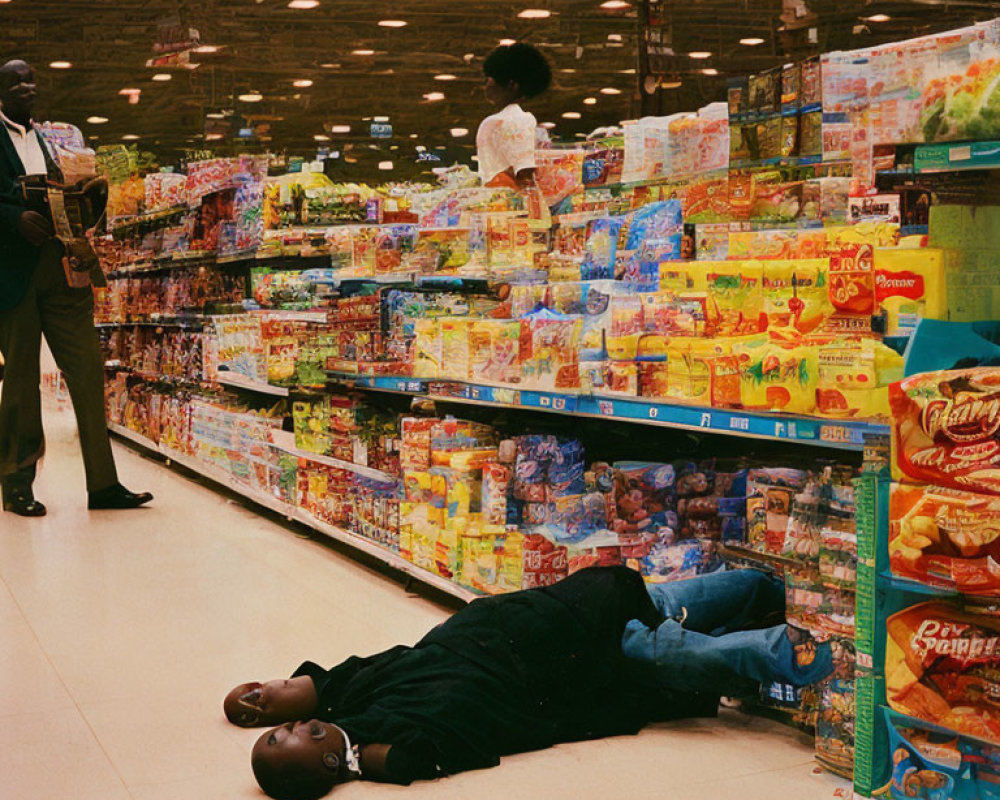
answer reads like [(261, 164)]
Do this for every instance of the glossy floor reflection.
[(122, 631)]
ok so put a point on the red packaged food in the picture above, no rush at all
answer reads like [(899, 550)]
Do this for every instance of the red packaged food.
[(946, 428), (943, 665)]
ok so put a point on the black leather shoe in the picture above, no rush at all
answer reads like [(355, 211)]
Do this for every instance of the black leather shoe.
[(22, 502), (117, 496)]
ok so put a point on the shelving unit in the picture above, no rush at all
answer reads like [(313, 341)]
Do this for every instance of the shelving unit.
[(294, 514)]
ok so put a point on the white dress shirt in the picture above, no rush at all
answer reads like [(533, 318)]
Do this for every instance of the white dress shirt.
[(506, 140), (27, 145)]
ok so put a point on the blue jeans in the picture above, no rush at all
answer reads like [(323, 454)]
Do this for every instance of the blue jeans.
[(703, 647)]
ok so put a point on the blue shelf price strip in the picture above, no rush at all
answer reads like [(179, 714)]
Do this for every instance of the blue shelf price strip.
[(837, 434)]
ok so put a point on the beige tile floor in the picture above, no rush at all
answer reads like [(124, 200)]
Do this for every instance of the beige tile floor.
[(121, 632)]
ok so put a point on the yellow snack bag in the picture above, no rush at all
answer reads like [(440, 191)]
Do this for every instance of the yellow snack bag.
[(910, 285), (455, 356), (778, 377), (796, 293), (426, 349), (854, 375), (735, 297)]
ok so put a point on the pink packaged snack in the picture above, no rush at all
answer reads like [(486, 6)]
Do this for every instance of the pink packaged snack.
[(496, 480)]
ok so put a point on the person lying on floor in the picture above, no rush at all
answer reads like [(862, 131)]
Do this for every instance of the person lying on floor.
[(598, 654)]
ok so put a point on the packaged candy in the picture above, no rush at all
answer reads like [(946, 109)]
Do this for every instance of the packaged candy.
[(770, 494), (455, 355), (592, 302), (626, 327), (854, 375), (941, 665), (549, 350), (778, 377), (494, 351), (945, 537), (426, 348), (946, 427), (496, 481), (777, 244)]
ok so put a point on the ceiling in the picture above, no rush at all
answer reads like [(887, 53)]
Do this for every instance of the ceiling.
[(266, 46)]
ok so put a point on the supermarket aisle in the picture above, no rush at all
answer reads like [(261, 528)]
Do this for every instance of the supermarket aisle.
[(122, 631)]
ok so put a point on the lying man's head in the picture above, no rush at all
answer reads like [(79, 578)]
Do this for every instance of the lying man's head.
[(253, 705), (302, 760)]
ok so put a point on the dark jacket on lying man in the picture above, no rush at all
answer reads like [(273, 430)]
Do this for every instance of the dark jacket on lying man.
[(504, 675)]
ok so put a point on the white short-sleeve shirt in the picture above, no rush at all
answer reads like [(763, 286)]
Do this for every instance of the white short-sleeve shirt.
[(506, 140)]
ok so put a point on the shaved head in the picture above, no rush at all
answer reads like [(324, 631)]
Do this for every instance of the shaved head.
[(17, 90)]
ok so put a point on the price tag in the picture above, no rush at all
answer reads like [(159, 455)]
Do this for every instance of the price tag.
[(559, 403), (607, 407), (779, 430), (544, 402), (739, 423), (654, 412), (706, 420)]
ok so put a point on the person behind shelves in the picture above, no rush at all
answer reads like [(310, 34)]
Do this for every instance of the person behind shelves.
[(36, 299), (598, 654), (505, 142)]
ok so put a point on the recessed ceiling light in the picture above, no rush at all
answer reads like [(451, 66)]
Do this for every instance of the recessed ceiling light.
[(630, 71), (385, 165), (610, 90), (330, 65), (321, 137), (215, 115), (129, 92), (507, 42), (445, 76), (614, 37), (340, 129), (163, 77), (878, 18), (60, 64), (302, 83), (571, 115), (392, 23), (213, 137), (580, 135), (350, 159), (414, 135), (380, 119), (710, 71), (614, 5), (548, 125), (129, 137), (191, 65), (303, 4), (700, 54), (752, 41), (590, 101), (434, 96), (251, 97), (363, 52), (93, 138), (671, 84), (535, 13), (459, 132), (97, 120), (207, 48)]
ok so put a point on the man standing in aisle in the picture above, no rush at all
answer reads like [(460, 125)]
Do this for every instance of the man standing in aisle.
[(35, 299)]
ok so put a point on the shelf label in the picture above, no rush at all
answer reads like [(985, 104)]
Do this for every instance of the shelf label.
[(607, 407), (544, 401), (839, 434), (654, 412), (706, 420), (508, 396), (779, 430), (559, 403), (739, 423)]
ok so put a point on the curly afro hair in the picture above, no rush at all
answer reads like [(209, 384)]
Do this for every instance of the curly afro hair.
[(521, 64)]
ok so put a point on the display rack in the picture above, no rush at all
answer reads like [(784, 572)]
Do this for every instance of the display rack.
[(294, 514)]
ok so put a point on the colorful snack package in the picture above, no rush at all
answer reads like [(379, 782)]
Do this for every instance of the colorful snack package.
[(426, 348), (455, 356), (910, 285), (854, 375), (592, 302), (496, 482), (494, 351), (941, 665), (735, 298), (796, 295), (626, 327), (946, 428), (768, 244), (945, 537), (778, 377), (602, 248), (549, 350), (770, 494)]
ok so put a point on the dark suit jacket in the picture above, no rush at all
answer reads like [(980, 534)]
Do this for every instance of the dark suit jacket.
[(18, 257)]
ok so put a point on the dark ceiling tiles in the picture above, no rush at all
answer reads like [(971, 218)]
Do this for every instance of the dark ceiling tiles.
[(265, 46)]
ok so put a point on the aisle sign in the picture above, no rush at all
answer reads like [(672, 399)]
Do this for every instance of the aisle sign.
[(381, 130)]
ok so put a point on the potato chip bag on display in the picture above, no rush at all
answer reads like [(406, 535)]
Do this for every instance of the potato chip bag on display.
[(778, 377), (776, 244), (549, 351), (494, 351), (854, 375), (680, 277), (796, 295), (946, 428), (735, 298), (910, 285), (941, 665), (455, 356), (665, 316), (945, 537), (852, 264), (592, 302)]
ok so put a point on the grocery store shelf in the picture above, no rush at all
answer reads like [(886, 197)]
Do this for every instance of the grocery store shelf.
[(284, 440), (239, 381), (835, 434), (290, 512)]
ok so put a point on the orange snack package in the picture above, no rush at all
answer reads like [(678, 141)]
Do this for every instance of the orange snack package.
[(941, 665), (945, 537), (946, 429)]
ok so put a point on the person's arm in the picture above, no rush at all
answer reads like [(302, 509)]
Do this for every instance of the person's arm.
[(399, 764)]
